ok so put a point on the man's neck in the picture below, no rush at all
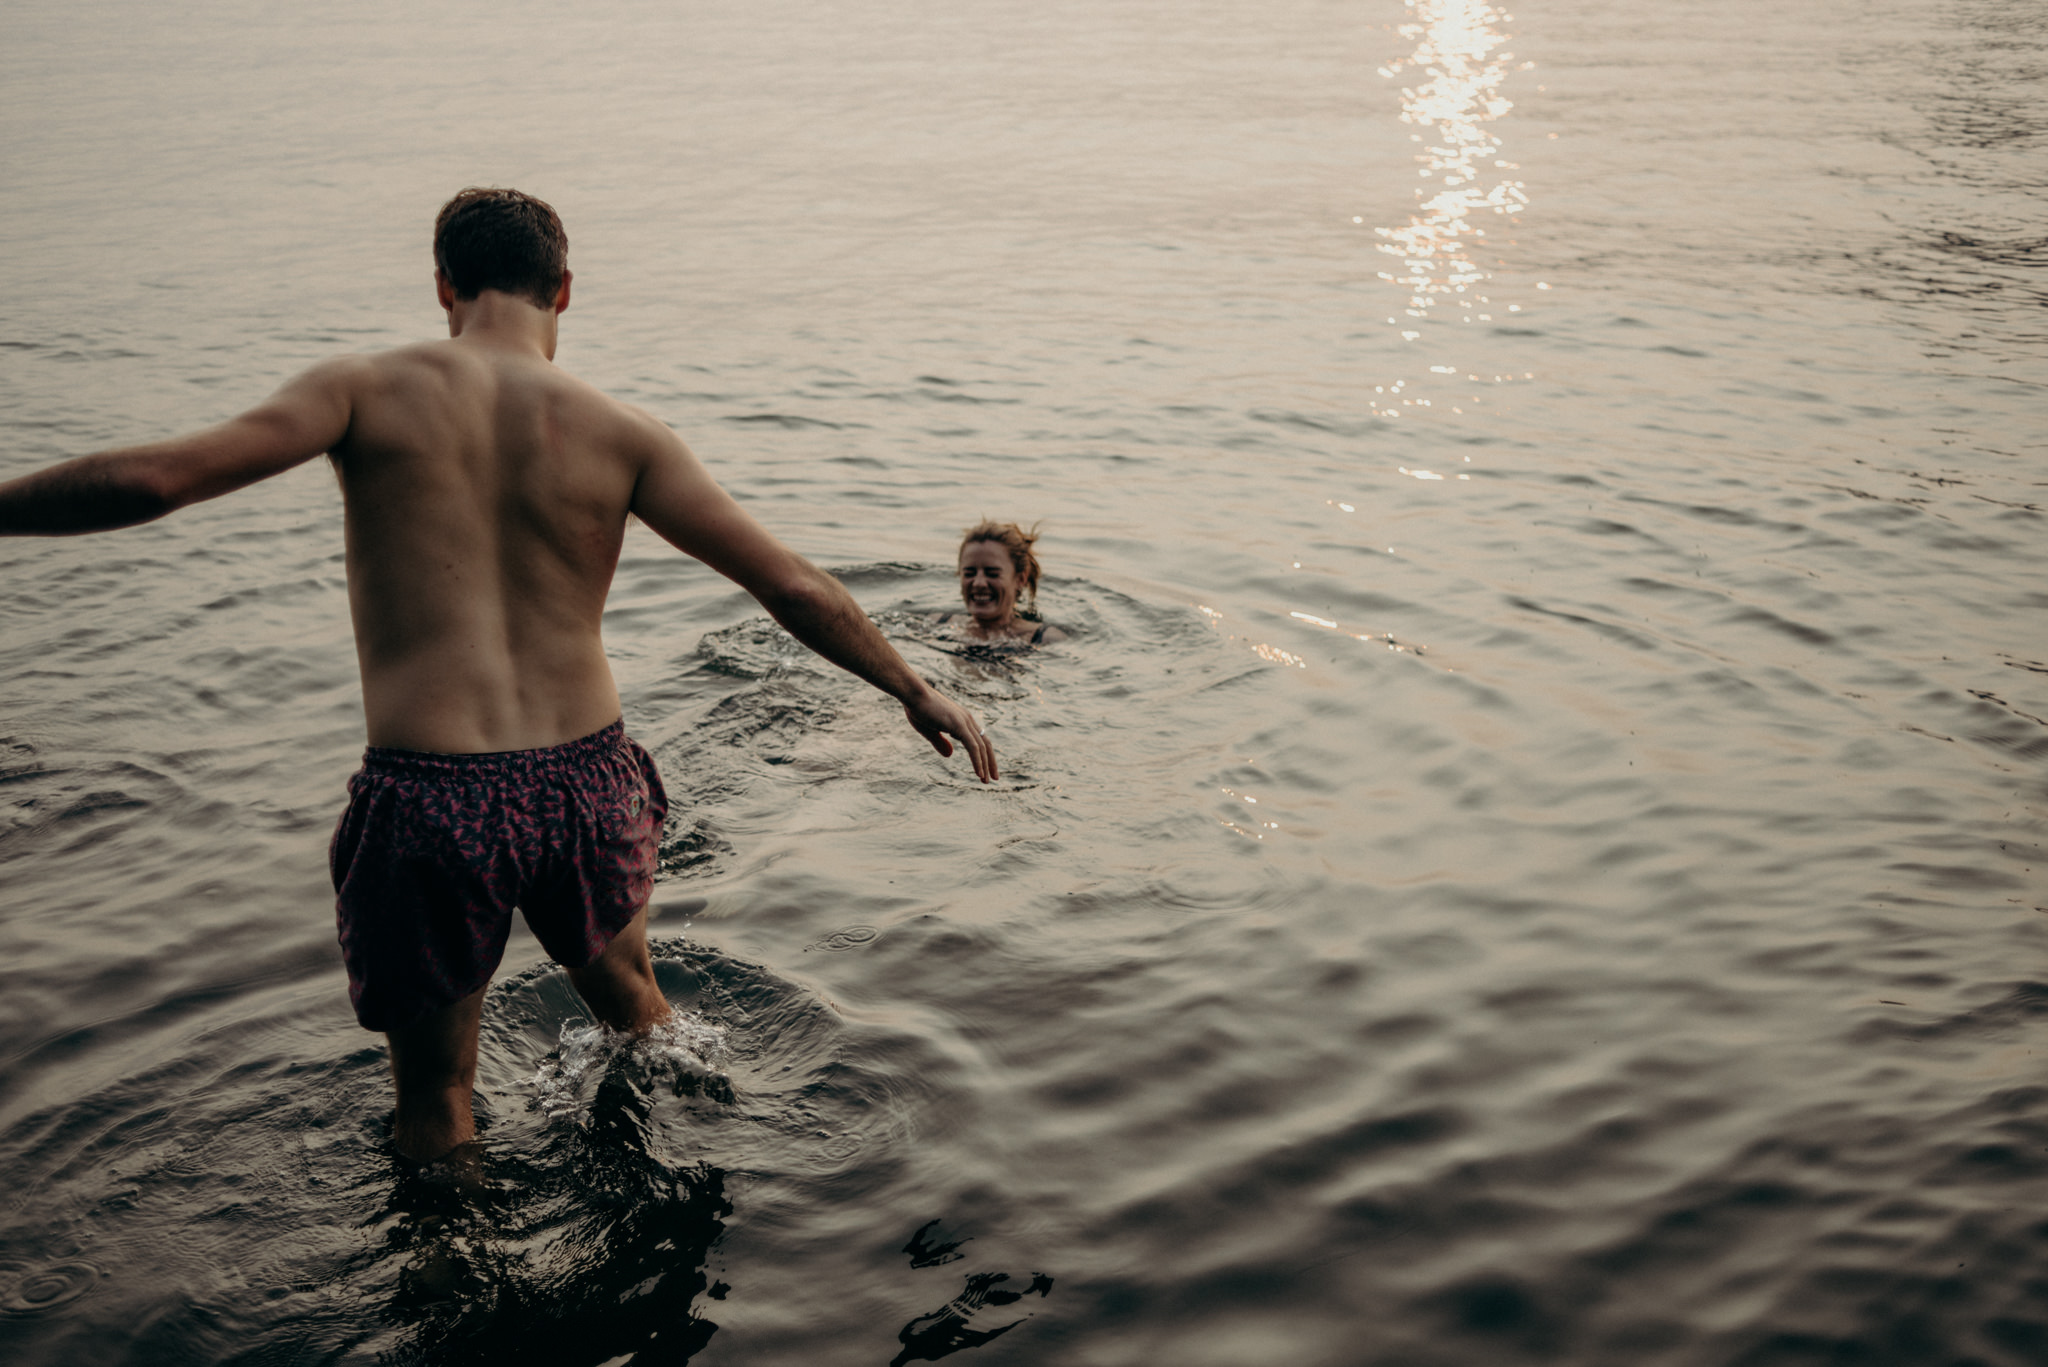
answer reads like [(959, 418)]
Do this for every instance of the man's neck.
[(499, 320)]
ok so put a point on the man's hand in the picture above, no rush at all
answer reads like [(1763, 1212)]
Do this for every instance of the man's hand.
[(937, 716)]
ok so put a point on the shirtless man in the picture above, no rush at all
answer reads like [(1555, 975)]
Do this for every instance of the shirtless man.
[(486, 495)]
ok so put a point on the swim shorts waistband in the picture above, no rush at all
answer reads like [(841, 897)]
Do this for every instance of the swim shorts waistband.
[(495, 763)]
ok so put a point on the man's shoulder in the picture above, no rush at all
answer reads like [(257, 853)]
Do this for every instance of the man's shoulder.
[(624, 428), (625, 422), (356, 369)]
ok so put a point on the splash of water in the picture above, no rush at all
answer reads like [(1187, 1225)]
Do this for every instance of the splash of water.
[(684, 1055)]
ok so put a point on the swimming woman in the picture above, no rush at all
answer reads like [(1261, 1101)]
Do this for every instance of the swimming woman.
[(996, 565)]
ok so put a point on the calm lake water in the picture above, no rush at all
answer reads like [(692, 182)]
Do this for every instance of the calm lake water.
[(1533, 849)]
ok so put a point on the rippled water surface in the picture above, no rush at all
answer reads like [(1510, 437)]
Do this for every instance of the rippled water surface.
[(1531, 851)]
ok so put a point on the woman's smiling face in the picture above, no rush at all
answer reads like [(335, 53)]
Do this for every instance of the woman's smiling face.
[(988, 583)]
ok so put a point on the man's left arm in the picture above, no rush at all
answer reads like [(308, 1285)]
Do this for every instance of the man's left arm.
[(309, 415), (678, 499)]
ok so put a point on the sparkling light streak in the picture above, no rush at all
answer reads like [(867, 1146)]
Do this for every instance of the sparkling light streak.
[(1456, 42)]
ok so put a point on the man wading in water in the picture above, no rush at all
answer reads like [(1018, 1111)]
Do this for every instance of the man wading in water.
[(486, 496)]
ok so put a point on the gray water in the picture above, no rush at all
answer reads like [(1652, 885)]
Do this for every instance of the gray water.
[(1531, 852)]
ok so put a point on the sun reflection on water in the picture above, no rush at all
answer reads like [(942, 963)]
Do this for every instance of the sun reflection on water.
[(1456, 49)]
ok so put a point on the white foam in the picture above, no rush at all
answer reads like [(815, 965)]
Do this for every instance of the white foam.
[(684, 1054)]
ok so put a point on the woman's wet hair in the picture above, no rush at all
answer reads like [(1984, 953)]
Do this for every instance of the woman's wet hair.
[(1017, 542), (489, 239)]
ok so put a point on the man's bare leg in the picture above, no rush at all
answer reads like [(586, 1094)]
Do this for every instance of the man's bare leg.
[(433, 1060), (618, 985), (433, 1064)]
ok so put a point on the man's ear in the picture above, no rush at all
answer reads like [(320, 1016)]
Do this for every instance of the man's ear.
[(444, 291), (562, 294)]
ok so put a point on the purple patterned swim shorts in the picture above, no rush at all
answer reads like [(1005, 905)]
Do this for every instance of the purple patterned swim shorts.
[(435, 851)]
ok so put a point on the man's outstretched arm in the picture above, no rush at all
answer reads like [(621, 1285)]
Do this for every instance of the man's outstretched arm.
[(121, 488), (678, 498)]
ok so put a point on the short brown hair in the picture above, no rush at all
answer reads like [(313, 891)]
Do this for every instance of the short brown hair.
[(490, 239), (1017, 542)]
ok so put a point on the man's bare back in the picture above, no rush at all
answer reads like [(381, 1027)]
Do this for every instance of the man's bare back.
[(486, 496)]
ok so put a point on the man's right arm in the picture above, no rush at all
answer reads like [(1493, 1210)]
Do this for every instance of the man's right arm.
[(136, 484), (678, 498)]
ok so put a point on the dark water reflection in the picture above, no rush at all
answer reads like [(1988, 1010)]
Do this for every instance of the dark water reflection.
[(595, 1252)]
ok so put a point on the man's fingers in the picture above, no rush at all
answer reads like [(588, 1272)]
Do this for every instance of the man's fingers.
[(984, 754), (956, 722), (979, 750)]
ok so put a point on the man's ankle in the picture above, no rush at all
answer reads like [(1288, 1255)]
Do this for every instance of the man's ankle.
[(431, 1141)]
